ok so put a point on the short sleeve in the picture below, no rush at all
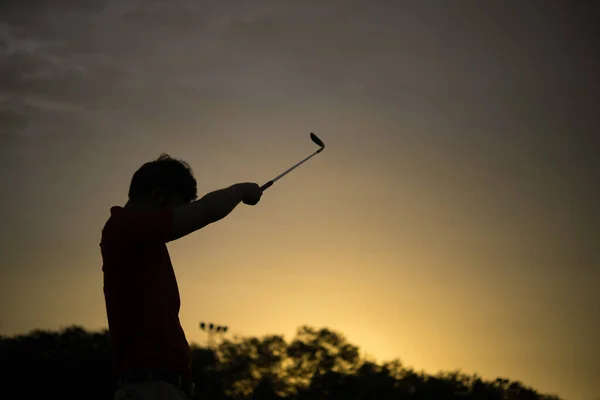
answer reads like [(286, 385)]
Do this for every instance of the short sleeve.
[(140, 226)]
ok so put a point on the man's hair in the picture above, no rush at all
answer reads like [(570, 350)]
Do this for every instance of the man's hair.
[(173, 177)]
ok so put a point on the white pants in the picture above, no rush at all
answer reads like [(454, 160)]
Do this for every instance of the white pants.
[(152, 390)]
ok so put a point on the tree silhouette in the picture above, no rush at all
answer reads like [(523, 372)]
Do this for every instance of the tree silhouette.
[(246, 362), (316, 364), (313, 353)]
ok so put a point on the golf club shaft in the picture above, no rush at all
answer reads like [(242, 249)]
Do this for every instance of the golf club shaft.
[(272, 181)]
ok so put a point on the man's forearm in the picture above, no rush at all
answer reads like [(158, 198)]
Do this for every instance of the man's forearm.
[(221, 202), (211, 208)]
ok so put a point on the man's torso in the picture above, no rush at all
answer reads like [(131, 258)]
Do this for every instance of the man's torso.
[(142, 297)]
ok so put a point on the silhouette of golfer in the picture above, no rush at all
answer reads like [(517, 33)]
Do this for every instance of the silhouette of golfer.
[(150, 350)]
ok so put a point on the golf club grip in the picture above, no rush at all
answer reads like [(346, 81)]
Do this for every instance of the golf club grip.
[(266, 186)]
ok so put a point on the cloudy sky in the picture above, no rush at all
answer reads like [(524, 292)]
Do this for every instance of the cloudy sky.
[(452, 221)]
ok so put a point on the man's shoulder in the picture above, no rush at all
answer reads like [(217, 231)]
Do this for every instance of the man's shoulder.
[(145, 225), (116, 214), (116, 225)]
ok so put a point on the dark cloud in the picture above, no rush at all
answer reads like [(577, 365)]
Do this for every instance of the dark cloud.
[(31, 12), (11, 124), (141, 56)]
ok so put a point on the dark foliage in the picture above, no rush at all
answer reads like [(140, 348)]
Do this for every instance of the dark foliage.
[(316, 364)]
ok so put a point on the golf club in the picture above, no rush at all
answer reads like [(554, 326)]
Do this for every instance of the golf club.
[(317, 141)]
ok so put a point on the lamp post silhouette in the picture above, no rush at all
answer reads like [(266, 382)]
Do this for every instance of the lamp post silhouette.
[(212, 331)]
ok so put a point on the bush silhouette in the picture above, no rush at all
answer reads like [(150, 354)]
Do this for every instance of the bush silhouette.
[(316, 364)]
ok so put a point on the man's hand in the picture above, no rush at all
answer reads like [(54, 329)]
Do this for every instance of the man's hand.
[(250, 193)]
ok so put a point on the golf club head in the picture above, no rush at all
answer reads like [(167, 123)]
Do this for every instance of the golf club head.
[(317, 141)]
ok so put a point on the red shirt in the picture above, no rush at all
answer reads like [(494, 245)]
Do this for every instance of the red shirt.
[(141, 293)]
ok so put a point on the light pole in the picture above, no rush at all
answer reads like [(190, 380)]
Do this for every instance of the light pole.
[(212, 330)]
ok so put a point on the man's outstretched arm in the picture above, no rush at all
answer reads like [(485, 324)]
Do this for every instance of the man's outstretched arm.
[(211, 208)]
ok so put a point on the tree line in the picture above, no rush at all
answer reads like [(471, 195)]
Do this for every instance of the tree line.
[(316, 364)]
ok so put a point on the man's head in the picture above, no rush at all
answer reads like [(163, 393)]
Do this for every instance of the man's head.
[(163, 182)]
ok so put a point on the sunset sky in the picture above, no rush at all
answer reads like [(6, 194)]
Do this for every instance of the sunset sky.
[(451, 222)]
